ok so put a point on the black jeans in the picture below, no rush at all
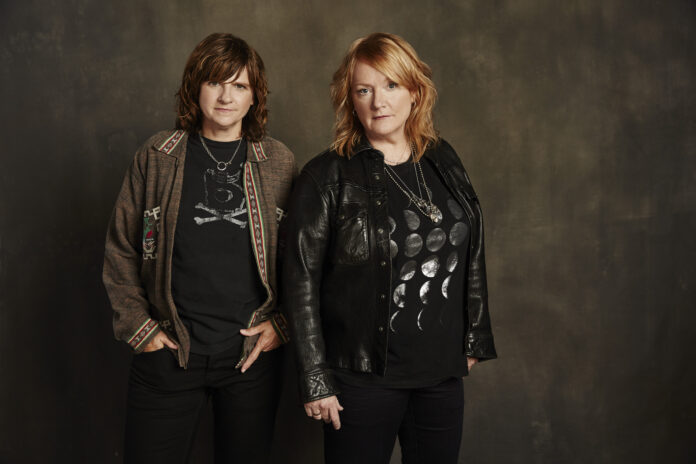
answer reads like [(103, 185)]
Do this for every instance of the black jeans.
[(427, 420), (165, 403)]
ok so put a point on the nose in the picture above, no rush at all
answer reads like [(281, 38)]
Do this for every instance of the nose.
[(378, 99), (225, 93)]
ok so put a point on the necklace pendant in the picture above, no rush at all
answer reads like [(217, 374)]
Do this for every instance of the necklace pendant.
[(221, 166), (435, 214)]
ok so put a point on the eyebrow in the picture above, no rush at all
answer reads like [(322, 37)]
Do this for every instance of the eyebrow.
[(226, 82), (235, 80)]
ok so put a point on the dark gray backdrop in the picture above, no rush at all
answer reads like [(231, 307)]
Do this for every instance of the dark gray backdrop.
[(575, 119)]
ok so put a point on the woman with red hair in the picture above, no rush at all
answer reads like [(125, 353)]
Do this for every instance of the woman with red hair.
[(384, 275)]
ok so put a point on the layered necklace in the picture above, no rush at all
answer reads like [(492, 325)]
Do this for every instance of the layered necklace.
[(425, 206), (221, 165)]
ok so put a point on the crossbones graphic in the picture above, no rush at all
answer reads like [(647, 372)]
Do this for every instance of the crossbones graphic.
[(221, 216)]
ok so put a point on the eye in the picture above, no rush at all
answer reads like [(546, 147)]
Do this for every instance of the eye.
[(213, 83), (392, 85), (240, 86), (362, 91)]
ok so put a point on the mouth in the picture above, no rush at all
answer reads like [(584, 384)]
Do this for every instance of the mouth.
[(380, 117), (225, 110)]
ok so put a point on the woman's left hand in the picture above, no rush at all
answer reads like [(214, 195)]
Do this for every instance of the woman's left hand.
[(470, 362), (268, 340)]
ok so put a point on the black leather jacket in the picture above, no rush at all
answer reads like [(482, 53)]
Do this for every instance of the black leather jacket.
[(337, 269)]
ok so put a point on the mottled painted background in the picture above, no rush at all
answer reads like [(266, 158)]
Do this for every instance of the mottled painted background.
[(575, 119)]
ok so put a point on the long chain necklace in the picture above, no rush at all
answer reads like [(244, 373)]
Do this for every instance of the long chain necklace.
[(426, 207), (221, 165)]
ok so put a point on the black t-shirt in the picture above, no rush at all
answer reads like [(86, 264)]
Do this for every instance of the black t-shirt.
[(215, 281), (426, 325)]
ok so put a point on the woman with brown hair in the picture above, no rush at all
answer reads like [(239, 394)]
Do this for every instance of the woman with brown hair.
[(384, 276), (190, 265)]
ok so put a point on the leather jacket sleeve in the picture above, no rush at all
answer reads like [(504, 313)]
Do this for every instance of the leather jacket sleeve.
[(479, 337), (307, 237)]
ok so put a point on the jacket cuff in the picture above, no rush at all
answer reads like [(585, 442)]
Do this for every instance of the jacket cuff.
[(142, 336), (280, 324), (317, 385), (480, 346)]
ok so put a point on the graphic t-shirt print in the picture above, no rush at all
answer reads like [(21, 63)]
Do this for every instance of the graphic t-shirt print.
[(223, 198), (425, 255)]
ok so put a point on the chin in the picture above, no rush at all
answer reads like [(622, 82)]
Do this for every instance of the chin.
[(226, 123), (382, 132)]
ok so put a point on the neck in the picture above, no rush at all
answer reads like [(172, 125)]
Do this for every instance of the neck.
[(395, 151), (221, 135)]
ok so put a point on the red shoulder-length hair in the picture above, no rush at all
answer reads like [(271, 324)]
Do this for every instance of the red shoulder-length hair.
[(395, 58)]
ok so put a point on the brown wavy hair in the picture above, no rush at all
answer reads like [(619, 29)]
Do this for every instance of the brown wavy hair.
[(397, 60), (217, 58)]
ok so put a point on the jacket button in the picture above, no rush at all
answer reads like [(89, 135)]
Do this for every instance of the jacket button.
[(382, 263), (380, 328), (383, 296), (377, 177), (380, 231), (378, 202)]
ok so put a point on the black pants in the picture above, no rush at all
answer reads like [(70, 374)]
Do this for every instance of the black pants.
[(427, 420), (165, 403)]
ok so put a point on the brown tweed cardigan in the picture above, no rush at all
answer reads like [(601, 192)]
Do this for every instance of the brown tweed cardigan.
[(140, 238)]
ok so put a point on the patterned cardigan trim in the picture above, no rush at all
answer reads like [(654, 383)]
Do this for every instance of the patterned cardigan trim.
[(256, 219), (258, 151), (280, 324), (142, 334), (172, 141)]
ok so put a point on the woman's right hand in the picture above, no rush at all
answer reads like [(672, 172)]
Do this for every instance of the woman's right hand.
[(325, 409), (158, 342)]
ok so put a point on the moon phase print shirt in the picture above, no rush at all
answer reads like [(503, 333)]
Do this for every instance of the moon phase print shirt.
[(428, 264), (215, 282)]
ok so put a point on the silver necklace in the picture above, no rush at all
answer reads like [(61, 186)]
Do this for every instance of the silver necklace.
[(426, 207), (221, 165)]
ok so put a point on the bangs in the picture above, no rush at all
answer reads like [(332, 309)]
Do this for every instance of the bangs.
[(220, 69), (390, 61), (224, 61)]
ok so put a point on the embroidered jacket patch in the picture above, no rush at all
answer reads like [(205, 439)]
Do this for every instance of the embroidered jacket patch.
[(151, 222), (280, 215)]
